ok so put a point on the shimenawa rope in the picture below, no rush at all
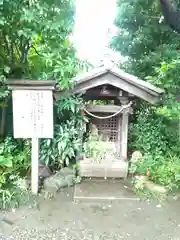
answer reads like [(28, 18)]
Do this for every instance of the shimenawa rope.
[(110, 116)]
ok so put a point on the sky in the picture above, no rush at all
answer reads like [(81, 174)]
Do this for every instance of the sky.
[(93, 18)]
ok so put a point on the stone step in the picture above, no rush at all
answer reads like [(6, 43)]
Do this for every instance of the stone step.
[(102, 191), (114, 169)]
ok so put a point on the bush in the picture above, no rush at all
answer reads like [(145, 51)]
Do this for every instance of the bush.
[(14, 164), (63, 147), (68, 133), (163, 170), (157, 138), (152, 133), (94, 148)]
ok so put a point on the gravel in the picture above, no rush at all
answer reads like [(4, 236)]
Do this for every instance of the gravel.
[(60, 218)]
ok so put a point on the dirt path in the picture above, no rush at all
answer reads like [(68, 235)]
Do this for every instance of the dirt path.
[(61, 219)]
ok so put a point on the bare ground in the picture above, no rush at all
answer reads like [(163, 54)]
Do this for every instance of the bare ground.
[(60, 218)]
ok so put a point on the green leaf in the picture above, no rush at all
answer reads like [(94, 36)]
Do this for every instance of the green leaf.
[(6, 161), (7, 69)]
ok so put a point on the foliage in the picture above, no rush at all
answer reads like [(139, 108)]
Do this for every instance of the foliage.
[(35, 41), (150, 134), (34, 29), (16, 152), (98, 149), (14, 163), (163, 170), (142, 38), (93, 148), (37, 37), (63, 147), (153, 54), (167, 76), (154, 137), (35, 44), (68, 133)]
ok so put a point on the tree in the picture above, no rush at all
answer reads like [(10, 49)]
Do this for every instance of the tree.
[(34, 42), (171, 14), (35, 38), (152, 49), (141, 37)]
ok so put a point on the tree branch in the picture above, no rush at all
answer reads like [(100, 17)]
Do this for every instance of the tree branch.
[(6, 44), (17, 49), (36, 51), (12, 54)]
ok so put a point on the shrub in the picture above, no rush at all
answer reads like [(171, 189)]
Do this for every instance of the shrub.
[(63, 147), (68, 133), (14, 164), (163, 170), (157, 138), (151, 133)]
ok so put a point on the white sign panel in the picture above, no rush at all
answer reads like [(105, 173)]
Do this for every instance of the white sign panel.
[(32, 113)]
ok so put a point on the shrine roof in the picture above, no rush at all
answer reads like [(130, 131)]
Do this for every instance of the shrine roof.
[(116, 77)]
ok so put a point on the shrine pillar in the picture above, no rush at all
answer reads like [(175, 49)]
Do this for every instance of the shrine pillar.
[(124, 128)]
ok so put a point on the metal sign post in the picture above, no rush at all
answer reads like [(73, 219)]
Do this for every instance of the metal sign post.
[(33, 118)]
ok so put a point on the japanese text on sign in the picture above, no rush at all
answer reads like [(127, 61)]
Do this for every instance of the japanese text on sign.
[(32, 113)]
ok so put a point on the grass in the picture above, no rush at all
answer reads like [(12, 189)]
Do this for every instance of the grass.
[(15, 196)]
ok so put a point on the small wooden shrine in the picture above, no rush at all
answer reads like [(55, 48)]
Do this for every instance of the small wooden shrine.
[(111, 121)]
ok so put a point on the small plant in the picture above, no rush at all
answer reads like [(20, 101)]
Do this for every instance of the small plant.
[(156, 138), (68, 134), (95, 149), (14, 164), (63, 147), (163, 170)]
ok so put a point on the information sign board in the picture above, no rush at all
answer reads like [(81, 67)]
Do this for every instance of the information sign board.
[(32, 113)]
